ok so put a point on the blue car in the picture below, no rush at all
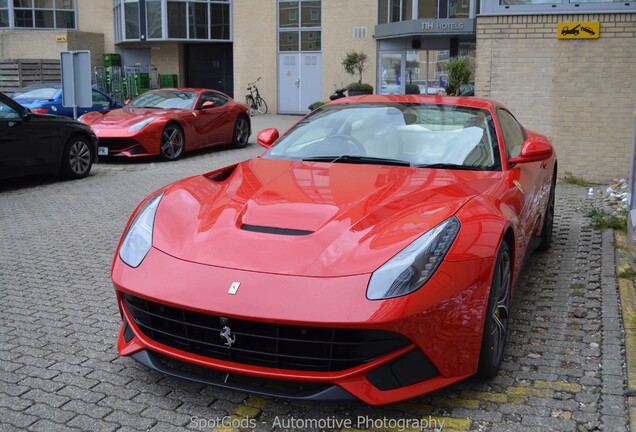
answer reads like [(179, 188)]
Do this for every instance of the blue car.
[(46, 98)]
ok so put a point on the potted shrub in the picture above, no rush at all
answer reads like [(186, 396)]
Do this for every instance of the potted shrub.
[(354, 64), (459, 72)]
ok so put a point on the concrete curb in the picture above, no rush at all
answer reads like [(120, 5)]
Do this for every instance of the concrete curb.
[(628, 309)]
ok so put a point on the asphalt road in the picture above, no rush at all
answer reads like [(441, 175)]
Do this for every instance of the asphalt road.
[(59, 369)]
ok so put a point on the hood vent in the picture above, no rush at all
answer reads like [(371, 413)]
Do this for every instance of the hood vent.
[(275, 230)]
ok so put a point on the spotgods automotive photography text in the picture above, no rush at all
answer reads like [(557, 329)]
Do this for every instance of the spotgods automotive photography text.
[(326, 423)]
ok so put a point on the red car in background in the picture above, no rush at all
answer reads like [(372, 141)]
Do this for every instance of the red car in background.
[(372, 251), (168, 122)]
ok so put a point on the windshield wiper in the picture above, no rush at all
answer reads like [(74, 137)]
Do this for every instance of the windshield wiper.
[(452, 166), (358, 160)]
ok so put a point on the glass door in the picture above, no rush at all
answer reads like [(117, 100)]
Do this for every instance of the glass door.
[(391, 73)]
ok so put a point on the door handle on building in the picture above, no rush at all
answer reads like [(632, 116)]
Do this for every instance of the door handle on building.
[(297, 82)]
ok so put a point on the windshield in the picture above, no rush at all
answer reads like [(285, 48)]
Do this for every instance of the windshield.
[(165, 99), (437, 136), (36, 92)]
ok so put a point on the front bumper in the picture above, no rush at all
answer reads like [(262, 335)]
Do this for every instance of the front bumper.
[(442, 321), (145, 142)]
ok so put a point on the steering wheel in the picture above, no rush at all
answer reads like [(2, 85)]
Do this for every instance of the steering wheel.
[(351, 145)]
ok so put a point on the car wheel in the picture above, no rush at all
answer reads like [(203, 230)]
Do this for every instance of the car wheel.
[(497, 314), (548, 221), (172, 142), (77, 159), (241, 132)]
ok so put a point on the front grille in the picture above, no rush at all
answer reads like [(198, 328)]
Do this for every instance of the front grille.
[(280, 346), (117, 144)]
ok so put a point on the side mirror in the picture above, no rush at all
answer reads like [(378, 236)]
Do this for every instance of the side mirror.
[(533, 151), (208, 104), (127, 101), (267, 137)]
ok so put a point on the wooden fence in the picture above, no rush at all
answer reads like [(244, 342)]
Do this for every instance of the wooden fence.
[(21, 72)]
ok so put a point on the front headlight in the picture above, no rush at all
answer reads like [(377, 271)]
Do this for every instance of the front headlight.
[(414, 265), (140, 125), (138, 238)]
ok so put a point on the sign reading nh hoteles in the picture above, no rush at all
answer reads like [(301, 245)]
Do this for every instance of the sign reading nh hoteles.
[(578, 30), (446, 26)]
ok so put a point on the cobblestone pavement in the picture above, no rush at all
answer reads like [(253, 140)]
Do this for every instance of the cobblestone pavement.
[(59, 369)]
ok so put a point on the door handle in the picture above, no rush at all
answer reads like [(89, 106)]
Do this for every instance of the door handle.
[(297, 82)]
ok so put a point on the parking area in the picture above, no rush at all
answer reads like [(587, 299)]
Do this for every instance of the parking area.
[(59, 369)]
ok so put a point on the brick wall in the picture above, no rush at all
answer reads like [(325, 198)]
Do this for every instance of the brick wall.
[(581, 93), (97, 17), (256, 46), (42, 44), (339, 19), (255, 49)]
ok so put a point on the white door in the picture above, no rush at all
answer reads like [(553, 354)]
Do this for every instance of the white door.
[(310, 80), (300, 81), (289, 83)]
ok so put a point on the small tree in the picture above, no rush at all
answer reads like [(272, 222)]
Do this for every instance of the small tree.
[(354, 63), (459, 73)]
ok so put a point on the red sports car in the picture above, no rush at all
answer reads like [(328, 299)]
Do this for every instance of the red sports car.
[(372, 251), (168, 122)]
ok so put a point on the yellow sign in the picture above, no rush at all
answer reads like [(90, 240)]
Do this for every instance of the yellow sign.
[(60, 39), (578, 30)]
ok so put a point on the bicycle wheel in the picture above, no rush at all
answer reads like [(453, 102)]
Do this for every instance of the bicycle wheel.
[(261, 105), (249, 100)]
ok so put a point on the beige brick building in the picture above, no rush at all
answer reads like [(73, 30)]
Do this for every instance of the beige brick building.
[(88, 26), (581, 93)]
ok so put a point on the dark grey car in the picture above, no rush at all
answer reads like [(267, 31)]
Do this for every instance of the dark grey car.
[(38, 143)]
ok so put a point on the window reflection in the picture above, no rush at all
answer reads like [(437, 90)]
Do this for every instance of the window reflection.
[(299, 33), (153, 19), (198, 17), (177, 20), (131, 14)]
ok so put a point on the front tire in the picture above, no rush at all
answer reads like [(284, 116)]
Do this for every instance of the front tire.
[(497, 315), (172, 142), (77, 159), (241, 132), (261, 106)]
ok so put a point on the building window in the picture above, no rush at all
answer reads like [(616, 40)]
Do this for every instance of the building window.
[(395, 10), (513, 7), (175, 19), (198, 19), (4, 13), (303, 34), (154, 29), (131, 18), (40, 14)]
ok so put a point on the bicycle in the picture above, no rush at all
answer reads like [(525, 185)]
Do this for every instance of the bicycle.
[(254, 100)]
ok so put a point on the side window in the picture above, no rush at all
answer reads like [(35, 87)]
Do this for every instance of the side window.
[(218, 99), (512, 133), (100, 99), (6, 112)]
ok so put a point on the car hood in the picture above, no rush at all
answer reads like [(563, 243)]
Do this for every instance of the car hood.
[(124, 117), (308, 218)]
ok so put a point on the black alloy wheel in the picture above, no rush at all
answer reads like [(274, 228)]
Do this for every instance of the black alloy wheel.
[(548, 220), (77, 159), (497, 315), (172, 142), (241, 132)]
